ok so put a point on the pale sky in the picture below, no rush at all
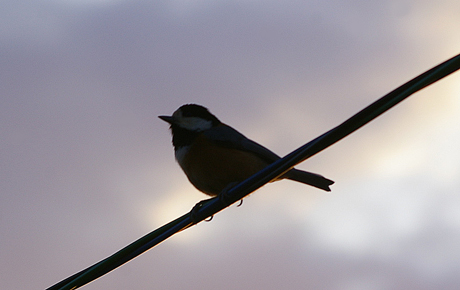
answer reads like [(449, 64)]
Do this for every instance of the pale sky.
[(86, 166)]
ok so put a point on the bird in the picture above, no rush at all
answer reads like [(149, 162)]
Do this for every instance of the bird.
[(214, 156)]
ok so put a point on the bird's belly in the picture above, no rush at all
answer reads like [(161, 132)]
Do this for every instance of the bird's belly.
[(210, 168)]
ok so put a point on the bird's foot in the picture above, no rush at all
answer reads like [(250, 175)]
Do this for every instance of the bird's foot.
[(223, 195), (195, 210)]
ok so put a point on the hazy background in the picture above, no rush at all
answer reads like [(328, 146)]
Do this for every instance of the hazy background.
[(86, 167)]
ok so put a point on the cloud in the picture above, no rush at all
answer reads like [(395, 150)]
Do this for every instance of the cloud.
[(87, 167)]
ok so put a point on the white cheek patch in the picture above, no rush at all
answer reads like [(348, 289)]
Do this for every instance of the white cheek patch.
[(195, 124)]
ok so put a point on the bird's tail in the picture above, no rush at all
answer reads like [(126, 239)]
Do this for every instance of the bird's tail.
[(309, 178)]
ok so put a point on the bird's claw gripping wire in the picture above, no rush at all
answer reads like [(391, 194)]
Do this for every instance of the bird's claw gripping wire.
[(223, 195), (195, 210)]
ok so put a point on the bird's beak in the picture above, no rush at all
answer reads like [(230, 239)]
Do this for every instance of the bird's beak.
[(169, 119)]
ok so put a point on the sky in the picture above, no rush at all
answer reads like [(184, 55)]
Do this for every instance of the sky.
[(86, 167)]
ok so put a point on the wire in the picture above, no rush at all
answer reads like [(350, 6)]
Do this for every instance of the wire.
[(210, 207)]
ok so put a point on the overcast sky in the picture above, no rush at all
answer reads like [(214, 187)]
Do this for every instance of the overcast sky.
[(86, 167)]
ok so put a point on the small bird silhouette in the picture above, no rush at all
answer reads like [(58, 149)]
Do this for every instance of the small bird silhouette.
[(213, 155)]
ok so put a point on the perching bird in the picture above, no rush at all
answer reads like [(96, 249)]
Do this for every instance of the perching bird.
[(213, 155)]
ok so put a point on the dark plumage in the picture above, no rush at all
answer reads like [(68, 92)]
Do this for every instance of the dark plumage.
[(214, 155)]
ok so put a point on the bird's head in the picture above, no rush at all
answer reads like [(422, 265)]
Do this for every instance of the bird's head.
[(191, 117)]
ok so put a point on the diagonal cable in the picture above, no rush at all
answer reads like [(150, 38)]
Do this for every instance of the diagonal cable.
[(214, 205)]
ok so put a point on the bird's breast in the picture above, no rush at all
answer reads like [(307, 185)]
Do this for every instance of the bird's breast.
[(180, 154), (211, 168)]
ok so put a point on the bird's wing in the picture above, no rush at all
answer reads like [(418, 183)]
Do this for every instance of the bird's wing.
[(228, 137)]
